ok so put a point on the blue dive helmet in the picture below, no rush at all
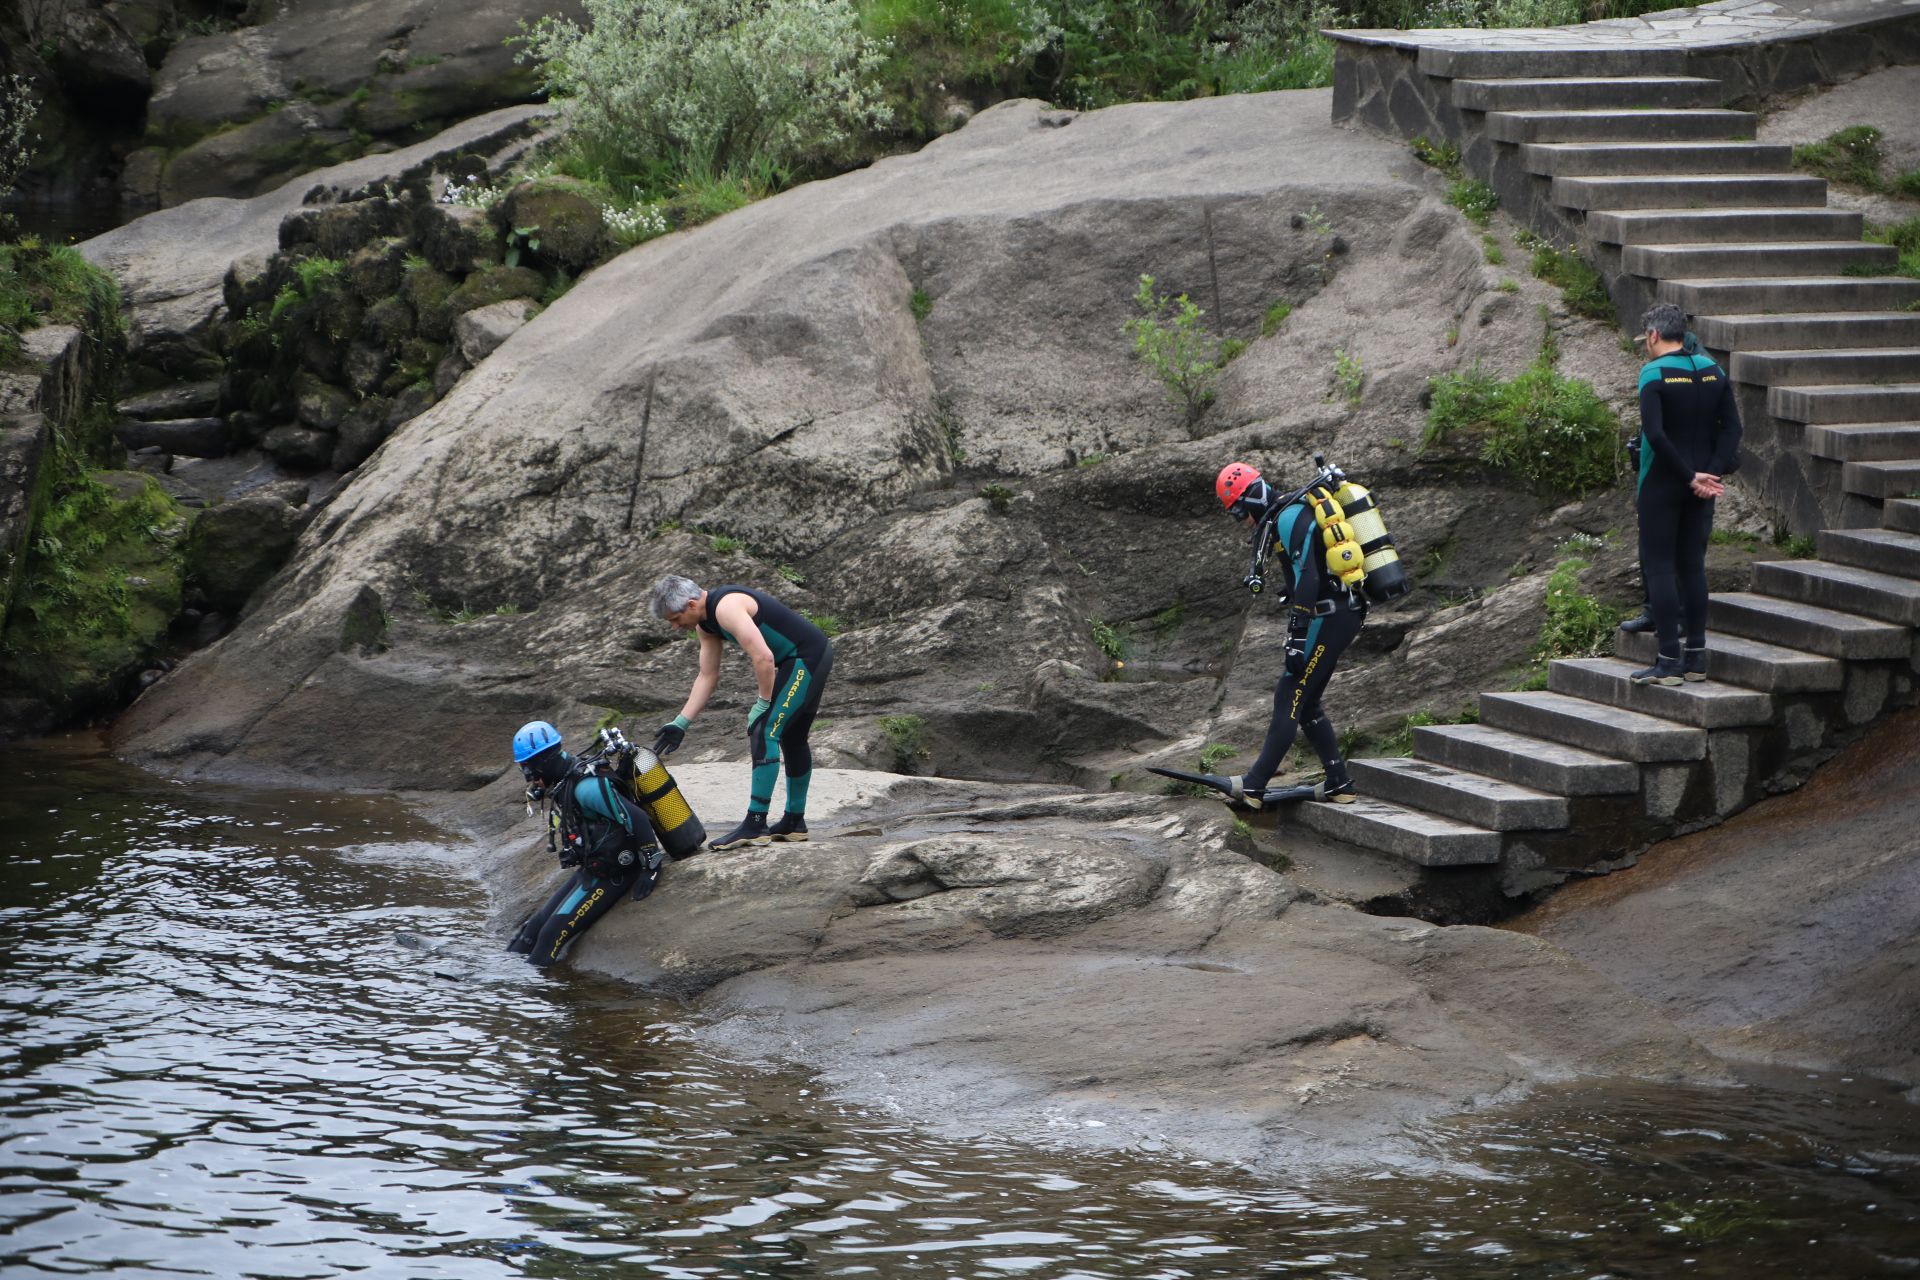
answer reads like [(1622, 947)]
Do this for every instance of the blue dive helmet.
[(532, 739)]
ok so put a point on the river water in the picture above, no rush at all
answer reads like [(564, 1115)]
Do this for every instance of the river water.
[(222, 1057)]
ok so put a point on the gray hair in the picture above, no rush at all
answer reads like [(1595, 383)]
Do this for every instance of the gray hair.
[(672, 594), (1667, 319)]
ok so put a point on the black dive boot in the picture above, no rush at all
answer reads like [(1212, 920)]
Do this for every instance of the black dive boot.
[(752, 831), (1664, 670), (1693, 664), (1642, 621), (791, 829)]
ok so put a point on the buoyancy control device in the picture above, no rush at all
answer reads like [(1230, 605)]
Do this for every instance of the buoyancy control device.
[(1359, 550)]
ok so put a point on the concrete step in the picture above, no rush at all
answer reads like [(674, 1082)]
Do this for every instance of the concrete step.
[(1883, 550), (1864, 441), (1587, 92), (1752, 664), (1884, 480), (1697, 125), (1720, 226), (1809, 330), (1570, 159), (1427, 839), (1612, 731), (1687, 191), (1809, 628), (1790, 293), (1706, 705), (1468, 797), (1846, 402), (1784, 258), (1525, 761), (1845, 587), (1487, 59), (1903, 514), (1826, 367)]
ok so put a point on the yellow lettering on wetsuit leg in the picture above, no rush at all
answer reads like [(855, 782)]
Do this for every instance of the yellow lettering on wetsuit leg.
[(1293, 712), (560, 941)]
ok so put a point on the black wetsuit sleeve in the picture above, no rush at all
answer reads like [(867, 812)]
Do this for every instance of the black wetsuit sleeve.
[(1653, 429), (1727, 431)]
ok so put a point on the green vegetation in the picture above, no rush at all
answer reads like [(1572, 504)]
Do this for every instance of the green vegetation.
[(791, 574), (827, 622), (1474, 198), (920, 302), (997, 496), (1207, 762), (1904, 236), (1109, 640), (1577, 626), (1211, 757), (1093, 459), (1852, 155), (1348, 377), (53, 286), (1275, 317), (1796, 546), (1400, 741), (1581, 287), (1490, 247), (1443, 156), (1168, 336), (1552, 432), (18, 107), (725, 544), (907, 736)]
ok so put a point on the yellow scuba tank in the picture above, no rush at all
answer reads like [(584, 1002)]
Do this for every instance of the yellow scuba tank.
[(673, 819), (1385, 577), (1345, 560)]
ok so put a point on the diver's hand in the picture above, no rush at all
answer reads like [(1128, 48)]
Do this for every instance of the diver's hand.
[(671, 735)]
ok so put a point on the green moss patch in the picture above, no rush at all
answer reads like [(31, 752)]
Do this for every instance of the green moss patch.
[(40, 285)]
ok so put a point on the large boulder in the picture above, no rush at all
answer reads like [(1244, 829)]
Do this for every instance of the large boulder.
[(173, 265), (236, 113), (237, 546), (911, 388), (480, 332), (561, 215)]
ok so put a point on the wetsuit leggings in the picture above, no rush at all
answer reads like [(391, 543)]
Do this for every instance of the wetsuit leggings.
[(1296, 698), (1673, 559), (570, 912), (780, 736)]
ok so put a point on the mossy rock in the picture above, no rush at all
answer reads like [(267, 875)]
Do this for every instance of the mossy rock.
[(495, 284), (236, 546), (562, 215), (319, 404), (426, 290), (362, 432), (304, 448), (455, 238), (102, 583), (375, 270), (389, 321)]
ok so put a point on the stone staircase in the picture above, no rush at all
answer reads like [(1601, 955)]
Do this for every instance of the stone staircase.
[(1628, 154)]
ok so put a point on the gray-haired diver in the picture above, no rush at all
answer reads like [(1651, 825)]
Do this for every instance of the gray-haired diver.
[(791, 660)]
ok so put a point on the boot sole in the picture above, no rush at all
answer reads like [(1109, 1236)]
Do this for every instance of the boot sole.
[(1668, 681), (718, 846), (1696, 677), (792, 837)]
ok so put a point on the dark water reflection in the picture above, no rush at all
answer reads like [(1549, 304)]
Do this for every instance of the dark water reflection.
[(218, 1060)]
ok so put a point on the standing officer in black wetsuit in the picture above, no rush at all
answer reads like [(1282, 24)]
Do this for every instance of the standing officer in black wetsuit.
[(791, 660), (1323, 617), (1690, 438)]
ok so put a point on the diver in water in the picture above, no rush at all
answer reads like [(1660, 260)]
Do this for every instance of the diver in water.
[(1323, 617), (596, 828), (791, 660)]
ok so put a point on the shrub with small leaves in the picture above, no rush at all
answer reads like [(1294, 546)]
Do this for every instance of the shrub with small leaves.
[(18, 107), (1168, 336)]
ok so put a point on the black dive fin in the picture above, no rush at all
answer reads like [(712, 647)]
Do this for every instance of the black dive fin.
[(1223, 785), (1341, 794)]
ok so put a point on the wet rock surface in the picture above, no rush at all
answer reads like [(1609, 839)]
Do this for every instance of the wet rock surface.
[(1105, 969)]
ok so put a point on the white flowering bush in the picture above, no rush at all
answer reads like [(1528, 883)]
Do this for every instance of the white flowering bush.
[(474, 193), (629, 227), (17, 109), (670, 88)]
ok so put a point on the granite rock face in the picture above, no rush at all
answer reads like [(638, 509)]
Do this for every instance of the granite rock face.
[(905, 400)]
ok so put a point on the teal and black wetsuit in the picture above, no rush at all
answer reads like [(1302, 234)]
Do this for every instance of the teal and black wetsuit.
[(1323, 617), (1688, 423), (597, 824), (803, 657)]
